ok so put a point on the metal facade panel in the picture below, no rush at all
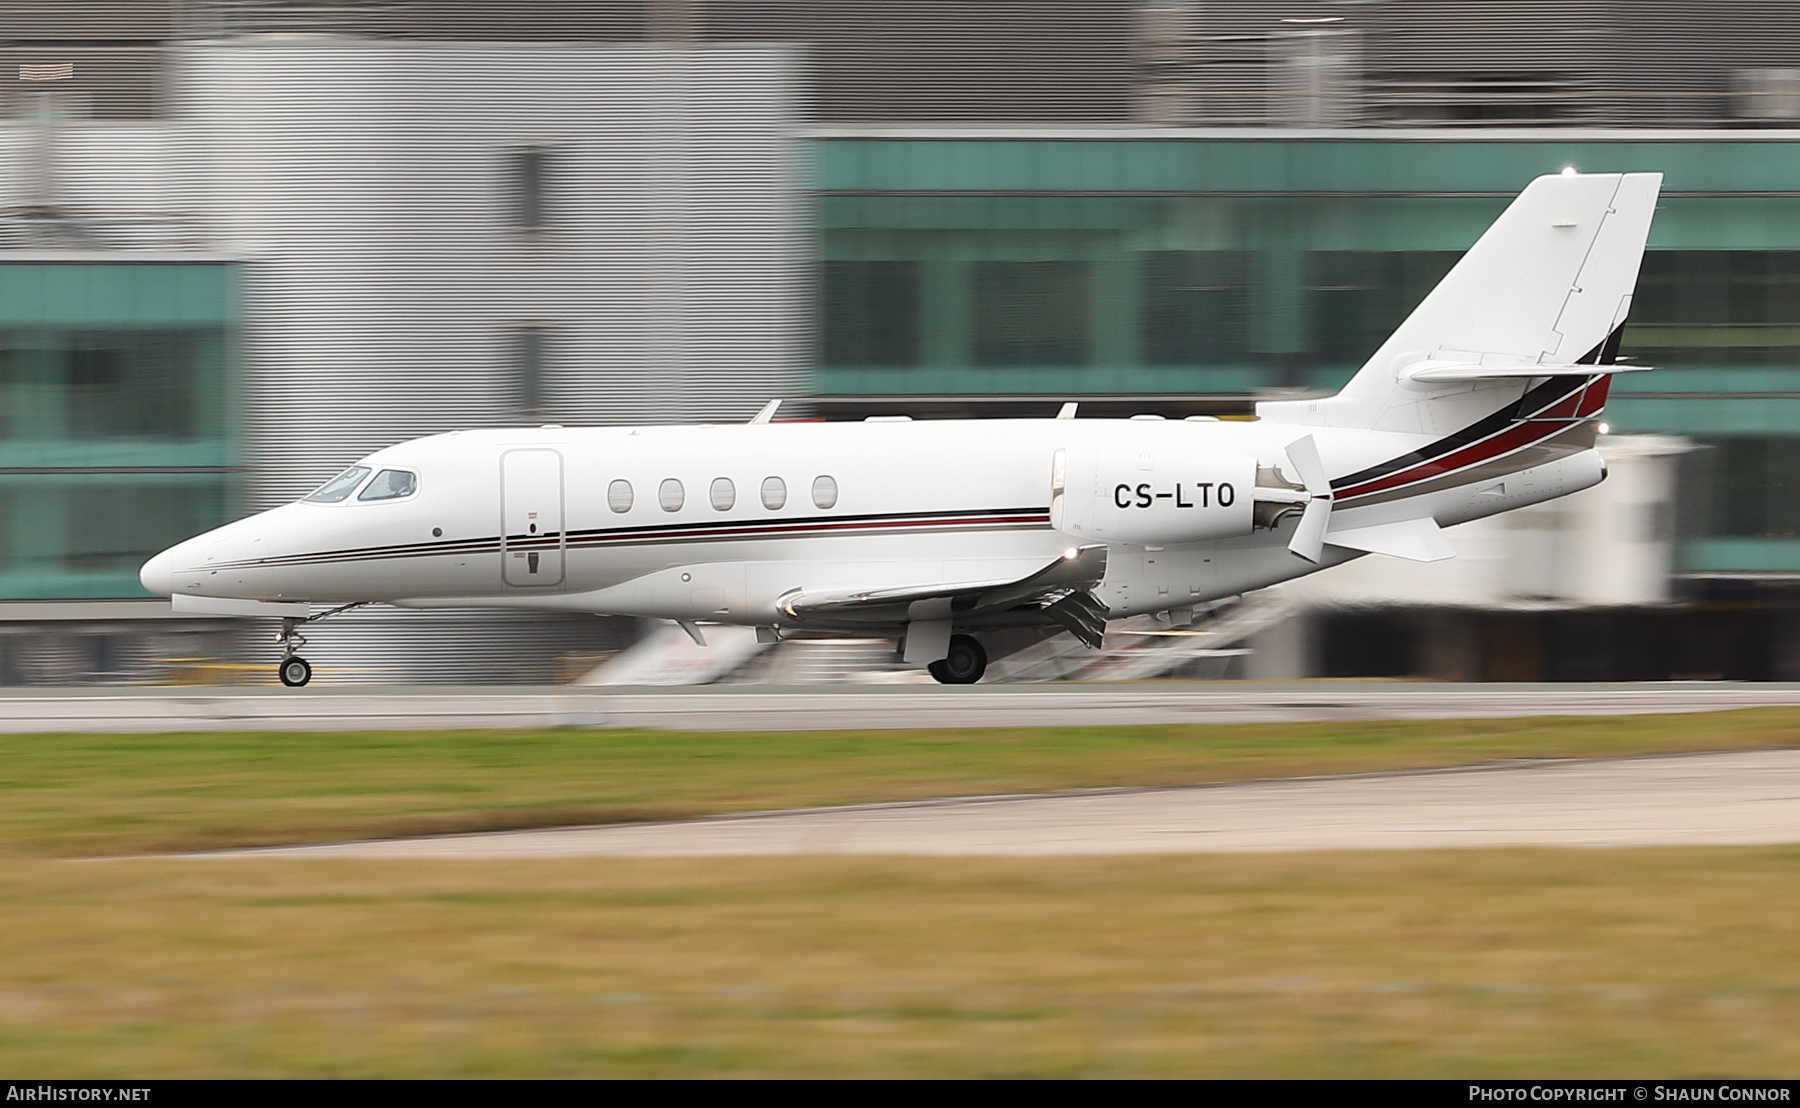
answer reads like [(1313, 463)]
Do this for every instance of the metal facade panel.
[(369, 188), (371, 194)]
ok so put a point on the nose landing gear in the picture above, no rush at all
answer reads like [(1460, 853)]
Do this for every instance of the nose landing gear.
[(296, 671)]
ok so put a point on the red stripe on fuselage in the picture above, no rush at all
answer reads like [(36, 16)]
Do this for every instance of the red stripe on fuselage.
[(1595, 397), (1550, 420), (1513, 438)]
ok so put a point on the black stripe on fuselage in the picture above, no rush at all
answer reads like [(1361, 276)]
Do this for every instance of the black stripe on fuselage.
[(1536, 400), (1549, 393)]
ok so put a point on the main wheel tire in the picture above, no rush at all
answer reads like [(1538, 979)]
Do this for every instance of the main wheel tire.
[(964, 665), (295, 672)]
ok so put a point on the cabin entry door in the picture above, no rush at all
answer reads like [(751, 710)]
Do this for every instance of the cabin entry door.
[(531, 518)]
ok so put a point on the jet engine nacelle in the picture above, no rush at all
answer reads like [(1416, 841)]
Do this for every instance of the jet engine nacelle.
[(1119, 493)]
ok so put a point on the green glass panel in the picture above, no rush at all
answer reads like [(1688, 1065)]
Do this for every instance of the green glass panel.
[(1031, 313), (1195, 307), (1739, 555), (1319, 166), (84, 536), (45, 294), (1686, 416)]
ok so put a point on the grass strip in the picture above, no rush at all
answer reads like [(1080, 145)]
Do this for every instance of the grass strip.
[(70, 795), (1528, 963)]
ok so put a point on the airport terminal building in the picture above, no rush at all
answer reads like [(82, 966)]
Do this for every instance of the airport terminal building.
[(243, 244)]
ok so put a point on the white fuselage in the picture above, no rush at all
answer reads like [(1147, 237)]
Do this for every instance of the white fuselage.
[(522, 517)]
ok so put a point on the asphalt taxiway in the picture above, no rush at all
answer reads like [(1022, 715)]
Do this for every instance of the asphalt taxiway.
[(1702, 799), (839, 707)]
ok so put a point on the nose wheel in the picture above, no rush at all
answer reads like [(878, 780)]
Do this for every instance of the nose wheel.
[(964, 665), (295, 671)]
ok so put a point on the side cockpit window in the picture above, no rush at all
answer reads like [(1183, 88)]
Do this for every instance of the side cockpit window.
[(391, 484), (340, 486)]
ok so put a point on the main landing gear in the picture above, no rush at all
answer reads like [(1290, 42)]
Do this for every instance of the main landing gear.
[(964, 665), (296, 671)]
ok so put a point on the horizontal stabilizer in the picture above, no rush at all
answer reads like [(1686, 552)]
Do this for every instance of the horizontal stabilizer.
[(222, 606), (1435, 372), (1418, 540)]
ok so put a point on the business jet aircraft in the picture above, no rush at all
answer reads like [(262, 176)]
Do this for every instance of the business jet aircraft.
[(1486, 399)]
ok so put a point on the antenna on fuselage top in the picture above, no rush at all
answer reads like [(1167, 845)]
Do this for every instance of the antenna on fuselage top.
[(767, 413)]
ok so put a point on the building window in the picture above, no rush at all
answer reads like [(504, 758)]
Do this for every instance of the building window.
[(1031, 313), (114, 528), (825, 492), (871, 313), (131, 384), (723, 494), (530, 166), (1716, 308), (1196, 307), (1356, 298), (774, 493), (1751, 487), (618, 496), (671, 495), (528, 371), (107, 366)]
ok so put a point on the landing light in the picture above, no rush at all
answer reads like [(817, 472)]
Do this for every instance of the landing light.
[(1606, 428), (1071, 554), (1568, 171)]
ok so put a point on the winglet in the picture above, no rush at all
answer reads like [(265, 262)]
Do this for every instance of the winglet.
[(767, 413)]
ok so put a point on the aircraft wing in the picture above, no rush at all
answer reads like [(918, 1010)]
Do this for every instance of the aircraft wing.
[(1060, 590)]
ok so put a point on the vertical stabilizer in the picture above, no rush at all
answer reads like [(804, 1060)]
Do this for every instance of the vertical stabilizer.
[(1548, 284)]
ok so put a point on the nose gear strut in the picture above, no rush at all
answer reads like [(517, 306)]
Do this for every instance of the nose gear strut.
[(295, 670)]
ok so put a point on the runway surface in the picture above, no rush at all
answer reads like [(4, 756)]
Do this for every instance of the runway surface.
[(1734, 798), (836, 707)]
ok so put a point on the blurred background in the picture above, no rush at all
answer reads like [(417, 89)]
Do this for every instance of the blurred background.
[(244, 242)]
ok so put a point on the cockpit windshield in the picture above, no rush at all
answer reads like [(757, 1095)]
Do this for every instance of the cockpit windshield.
[(340, 486), (391, 484)]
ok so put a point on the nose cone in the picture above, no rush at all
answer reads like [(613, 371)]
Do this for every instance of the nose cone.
[(158, 574)]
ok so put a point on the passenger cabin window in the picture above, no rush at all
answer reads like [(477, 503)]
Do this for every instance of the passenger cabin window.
[(774, 493), (825, 492), (723, 493), (671, 495), (391, 484), (618, 496), (339, 487)]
